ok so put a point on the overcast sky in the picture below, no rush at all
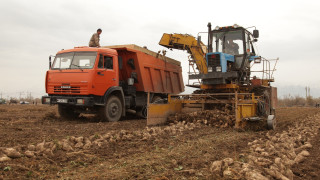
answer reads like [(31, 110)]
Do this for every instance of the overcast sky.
[(32, 30)]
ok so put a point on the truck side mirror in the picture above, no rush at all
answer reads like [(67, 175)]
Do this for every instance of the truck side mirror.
[(256, 33), (49, 62)]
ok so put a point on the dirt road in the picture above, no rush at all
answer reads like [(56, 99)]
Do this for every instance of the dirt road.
[(126, 149)]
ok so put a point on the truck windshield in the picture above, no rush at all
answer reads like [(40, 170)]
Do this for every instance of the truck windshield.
[(75, 60), (230, 42)]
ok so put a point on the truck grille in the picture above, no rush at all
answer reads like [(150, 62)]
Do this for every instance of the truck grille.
[(214, 60), (72, 89)]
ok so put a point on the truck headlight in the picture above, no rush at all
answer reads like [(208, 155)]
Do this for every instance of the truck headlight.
[(47, 100), (80, 101), (209, 69), (218, 69)]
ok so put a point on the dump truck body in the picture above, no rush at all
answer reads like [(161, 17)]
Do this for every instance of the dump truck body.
[(83, 78), (155, 73)]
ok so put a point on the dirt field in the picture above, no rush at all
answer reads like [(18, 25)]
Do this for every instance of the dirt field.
[(185, 154)]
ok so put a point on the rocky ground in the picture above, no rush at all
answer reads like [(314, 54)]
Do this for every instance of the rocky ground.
[(36, 143)]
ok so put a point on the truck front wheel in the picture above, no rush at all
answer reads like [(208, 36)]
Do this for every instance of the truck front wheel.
[(67, 112), (113, 109)]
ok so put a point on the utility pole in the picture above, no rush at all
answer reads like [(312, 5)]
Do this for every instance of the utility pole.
[(307, 88), (30, 97)]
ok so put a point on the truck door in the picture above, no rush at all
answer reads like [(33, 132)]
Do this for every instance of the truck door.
[(106, 74)]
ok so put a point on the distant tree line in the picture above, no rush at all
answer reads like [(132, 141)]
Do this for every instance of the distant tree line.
[(12, 100), (290, 101)]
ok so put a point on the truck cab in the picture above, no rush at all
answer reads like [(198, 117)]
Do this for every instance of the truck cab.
[(82, 78), (83, 71)]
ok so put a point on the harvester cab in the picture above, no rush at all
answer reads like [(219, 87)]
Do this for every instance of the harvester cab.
[(230, 51), (225, 75)]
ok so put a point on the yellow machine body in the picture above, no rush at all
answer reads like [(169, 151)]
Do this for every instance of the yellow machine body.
[(244, 104)]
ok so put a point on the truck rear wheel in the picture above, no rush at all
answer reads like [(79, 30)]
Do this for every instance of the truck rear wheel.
[(143, 111), (113, 109), (67, 112)]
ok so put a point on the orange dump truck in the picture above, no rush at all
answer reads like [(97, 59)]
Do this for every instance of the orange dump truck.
[(110, 80)]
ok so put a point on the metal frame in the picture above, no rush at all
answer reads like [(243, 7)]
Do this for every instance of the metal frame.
[(244, 104), (267, 71)]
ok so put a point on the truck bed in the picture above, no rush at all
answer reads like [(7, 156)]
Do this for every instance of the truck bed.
[(154, 73), (147, 51)]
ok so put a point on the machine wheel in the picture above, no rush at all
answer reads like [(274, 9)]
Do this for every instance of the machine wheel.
[(271, 121), (112, 111), (67, 112), (267, 102)]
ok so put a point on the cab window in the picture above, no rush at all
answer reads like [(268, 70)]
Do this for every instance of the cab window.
[(105, 62), (230, 42), (108, 62), (100, 64)]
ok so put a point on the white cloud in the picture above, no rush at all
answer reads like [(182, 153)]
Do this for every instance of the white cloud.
[(32, 30)]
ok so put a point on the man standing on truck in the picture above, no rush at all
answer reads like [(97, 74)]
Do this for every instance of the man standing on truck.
[(95, 38)]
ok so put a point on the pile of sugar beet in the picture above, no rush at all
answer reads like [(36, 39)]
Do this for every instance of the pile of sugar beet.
[(215, 118), (81, 144), (272, 156), (178, 123)]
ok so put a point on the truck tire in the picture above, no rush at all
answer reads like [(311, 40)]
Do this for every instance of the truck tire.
[(112, 111), (143, 111), (67, 112)]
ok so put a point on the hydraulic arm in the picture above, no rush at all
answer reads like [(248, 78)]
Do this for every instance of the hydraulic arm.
[(189, 43)]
